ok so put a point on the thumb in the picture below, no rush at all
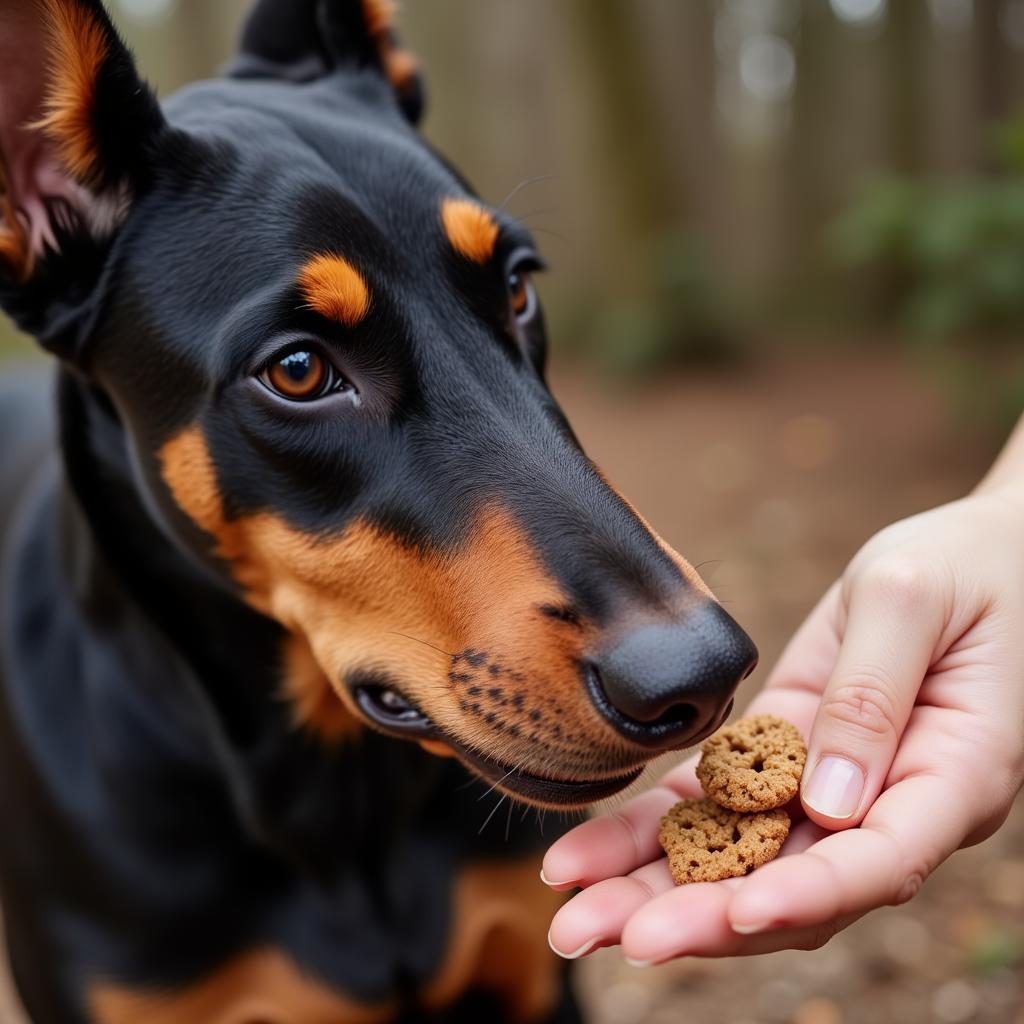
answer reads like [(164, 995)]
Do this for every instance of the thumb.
[(893, 624)]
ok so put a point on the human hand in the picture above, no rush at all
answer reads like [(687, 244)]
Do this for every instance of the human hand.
[(908, 677)]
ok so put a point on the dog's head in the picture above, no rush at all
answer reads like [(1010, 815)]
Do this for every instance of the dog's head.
[(328, 359)]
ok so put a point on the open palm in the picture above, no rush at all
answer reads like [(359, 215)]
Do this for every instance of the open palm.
[(908, 678)]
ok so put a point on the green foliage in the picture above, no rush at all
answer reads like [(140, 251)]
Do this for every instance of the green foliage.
[(998, 949), (946, 261), (954, 251), (673, 316)]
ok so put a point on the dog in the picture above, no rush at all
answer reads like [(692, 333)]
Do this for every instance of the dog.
[(306, 549)]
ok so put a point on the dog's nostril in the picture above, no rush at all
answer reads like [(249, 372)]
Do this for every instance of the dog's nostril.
[(666, 684), (639, 721)]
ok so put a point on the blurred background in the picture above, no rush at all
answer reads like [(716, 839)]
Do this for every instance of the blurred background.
[(786, 303)]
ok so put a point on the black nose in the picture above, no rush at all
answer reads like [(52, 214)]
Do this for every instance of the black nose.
[(669, 684)]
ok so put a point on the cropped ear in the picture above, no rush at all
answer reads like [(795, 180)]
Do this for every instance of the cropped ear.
[(305, 39), (76, 128)]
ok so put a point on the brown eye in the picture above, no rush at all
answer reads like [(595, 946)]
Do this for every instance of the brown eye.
[(521, 297), (300, 376)]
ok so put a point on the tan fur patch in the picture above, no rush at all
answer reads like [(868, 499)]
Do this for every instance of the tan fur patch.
[(400, 66), (498, 942), (77, 49), (263, 985), (15, 250), (365, 602), (471, 230), (379, 16), (315, 705), (335, 289)]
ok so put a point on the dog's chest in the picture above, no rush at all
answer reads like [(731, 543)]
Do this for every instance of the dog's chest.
[(495, 945)]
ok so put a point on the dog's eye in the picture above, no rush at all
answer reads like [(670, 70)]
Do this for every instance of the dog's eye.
[(301, 376), (521, 295)]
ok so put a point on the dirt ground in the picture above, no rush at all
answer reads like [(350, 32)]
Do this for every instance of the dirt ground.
[(769, 478)]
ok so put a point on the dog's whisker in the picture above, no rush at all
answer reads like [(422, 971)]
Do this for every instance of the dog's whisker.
[(508, 821), (523, 217), (553, 234), (515, 768), (491, 815), (426, 643), (525, 183), (708, 561)]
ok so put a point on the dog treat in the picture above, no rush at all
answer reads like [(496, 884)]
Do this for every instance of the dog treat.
[(706, 842), (754, 764)]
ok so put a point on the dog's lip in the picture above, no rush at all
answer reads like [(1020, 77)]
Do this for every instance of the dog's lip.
[(413, 724), (543, 789)]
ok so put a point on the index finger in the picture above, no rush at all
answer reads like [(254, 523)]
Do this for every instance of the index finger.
[(911, 828)]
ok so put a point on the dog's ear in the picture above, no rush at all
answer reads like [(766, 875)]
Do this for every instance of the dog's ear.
[(76, 127), (306, 39)]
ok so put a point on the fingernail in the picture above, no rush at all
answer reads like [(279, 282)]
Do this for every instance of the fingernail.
[(637, 963), (835, 787), (557, 885), (751, 929), (576, 954)]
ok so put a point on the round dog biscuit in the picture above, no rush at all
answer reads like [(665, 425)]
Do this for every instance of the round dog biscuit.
[(754, 764), (706, 842)]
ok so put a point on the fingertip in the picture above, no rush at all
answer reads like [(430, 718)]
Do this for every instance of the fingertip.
[(832, 793), (556, 885), (564, 864)]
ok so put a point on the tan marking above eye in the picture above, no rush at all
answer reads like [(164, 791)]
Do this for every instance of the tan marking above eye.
[(471, 230), (334, 288)]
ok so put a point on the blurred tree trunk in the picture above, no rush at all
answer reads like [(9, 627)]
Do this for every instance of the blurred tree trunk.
[(906, 38), (203, 33), (630, 134), (811, 181), (990, 75), (679, 40)]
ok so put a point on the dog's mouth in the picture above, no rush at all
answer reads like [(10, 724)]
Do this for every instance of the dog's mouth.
[(387, 708)]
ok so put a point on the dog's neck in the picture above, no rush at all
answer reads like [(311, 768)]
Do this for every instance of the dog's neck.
[(292, 791), (230, 647)]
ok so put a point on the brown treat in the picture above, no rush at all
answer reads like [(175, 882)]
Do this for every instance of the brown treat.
[(754, 764), (706, 842)]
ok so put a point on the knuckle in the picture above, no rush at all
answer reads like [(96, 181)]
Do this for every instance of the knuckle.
[(910, 870), (865, 702), (910, 884), (897, 582)]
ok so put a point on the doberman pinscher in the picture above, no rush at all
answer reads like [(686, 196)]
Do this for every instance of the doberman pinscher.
[(307, 498)]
